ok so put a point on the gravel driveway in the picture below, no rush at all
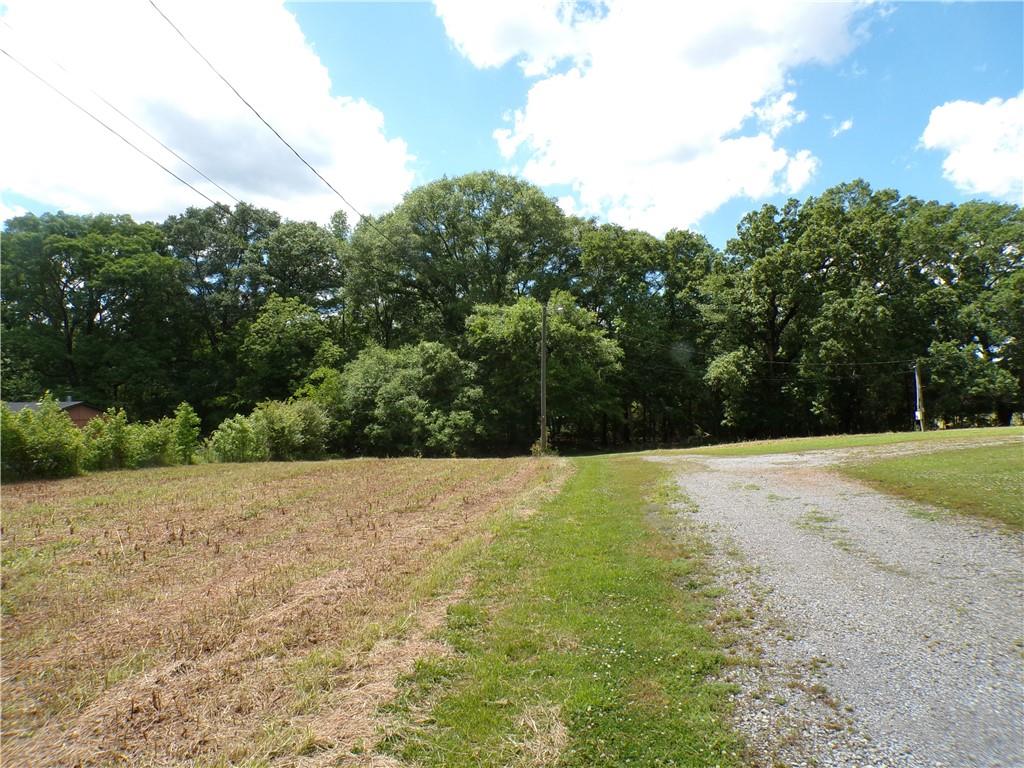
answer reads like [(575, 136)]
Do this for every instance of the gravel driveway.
[(887, 633)]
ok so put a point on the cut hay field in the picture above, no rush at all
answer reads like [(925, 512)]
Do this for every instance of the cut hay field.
[(209, 615)]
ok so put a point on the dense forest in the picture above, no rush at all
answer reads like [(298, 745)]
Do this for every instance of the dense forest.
[(418, 331)]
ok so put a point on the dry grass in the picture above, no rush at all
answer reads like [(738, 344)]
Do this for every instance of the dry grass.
[(228, 613)]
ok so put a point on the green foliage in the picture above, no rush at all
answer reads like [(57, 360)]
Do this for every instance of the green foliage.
[(107, 441), (806, 323), (186, 433), (40, 444), (582, 366), (280, 348), (413, 400), (275, 431), (152, 444), (112, 442), (964, 383), (239, 439), (292, 430), (14, 460)]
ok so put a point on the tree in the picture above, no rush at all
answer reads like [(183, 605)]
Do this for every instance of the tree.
[(583, 362), (418, 399), (280, 349), (303, 262), (455, 243)]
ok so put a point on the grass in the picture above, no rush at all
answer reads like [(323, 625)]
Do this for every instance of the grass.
[(576, 644), (799, 444), (985, 481), (209, 615)]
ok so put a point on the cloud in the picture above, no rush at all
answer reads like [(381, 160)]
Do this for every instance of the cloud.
[(778, 114), (843, 127), (123, 49), (10, 211), (984, 145), (653, 113)]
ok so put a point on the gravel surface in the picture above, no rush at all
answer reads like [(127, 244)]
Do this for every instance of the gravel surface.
[(886, 633)]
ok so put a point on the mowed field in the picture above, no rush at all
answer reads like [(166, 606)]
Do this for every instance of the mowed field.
[(408, 612), (209, 614)]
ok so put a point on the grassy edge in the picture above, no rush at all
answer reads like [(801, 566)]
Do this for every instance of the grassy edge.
[(583, 641), (313, 675), (829, 442), (979, 481)]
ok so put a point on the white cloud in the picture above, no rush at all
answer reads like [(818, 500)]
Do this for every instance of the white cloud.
[(843, 127), (778, 114), (490, 34), (123, 49), (984, 145), (656, 113), (10, 211)]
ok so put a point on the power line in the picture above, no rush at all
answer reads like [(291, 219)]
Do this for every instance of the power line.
[(264, 121), (78, 106), (141, 128)]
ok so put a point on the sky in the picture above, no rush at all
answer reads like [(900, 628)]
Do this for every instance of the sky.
[(648, 114)]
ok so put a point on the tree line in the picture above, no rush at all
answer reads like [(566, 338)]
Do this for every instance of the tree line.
[(417, 332)]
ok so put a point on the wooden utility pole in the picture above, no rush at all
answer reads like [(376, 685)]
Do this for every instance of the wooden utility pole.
[(919, 411), (544, 378)]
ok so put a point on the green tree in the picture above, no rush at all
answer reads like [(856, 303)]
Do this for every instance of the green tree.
[(583, 364), (419, 399), (280, 349)]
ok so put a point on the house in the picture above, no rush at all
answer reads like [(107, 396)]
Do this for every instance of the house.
[(81, 412)]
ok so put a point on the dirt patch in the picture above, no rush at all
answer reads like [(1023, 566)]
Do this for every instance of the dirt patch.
[(164, 616)]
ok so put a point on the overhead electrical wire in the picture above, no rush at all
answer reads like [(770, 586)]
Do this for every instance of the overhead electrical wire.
[(266, 123), (78, 106), (102, 98)]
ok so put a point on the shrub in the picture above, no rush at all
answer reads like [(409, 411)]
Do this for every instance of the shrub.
[(14, 462), (152, 444), (294, 430), (239, 438), (417, 400), (52, 443), (185, 433), (106, 441)]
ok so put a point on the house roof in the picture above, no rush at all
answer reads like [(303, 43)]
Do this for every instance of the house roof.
[(34, 406)]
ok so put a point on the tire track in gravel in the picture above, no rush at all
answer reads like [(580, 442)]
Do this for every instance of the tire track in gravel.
[(886, 639)]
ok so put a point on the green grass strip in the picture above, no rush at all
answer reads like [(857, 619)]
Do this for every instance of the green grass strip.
[(827, 442), (582, 642), (984, 482)]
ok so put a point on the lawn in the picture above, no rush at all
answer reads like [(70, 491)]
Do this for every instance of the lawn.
[(582, 642), (984, 481), (826, 442)]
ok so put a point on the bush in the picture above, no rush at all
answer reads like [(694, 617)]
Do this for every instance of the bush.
[(14, 462), (186, 433), (111, 442), (152, 444), (106, 441), (239, 438), (275, 431), (40, 444)]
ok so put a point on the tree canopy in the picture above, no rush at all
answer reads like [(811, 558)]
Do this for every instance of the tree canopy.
[(417, 331)]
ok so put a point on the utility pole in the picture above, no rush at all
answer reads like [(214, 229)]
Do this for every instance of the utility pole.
[(544, 378), (919, 411)]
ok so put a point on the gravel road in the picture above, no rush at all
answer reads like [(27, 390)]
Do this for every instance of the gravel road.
[(887, 633)]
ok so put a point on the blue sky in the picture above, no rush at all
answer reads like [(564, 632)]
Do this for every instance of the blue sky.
[(644, 114)]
